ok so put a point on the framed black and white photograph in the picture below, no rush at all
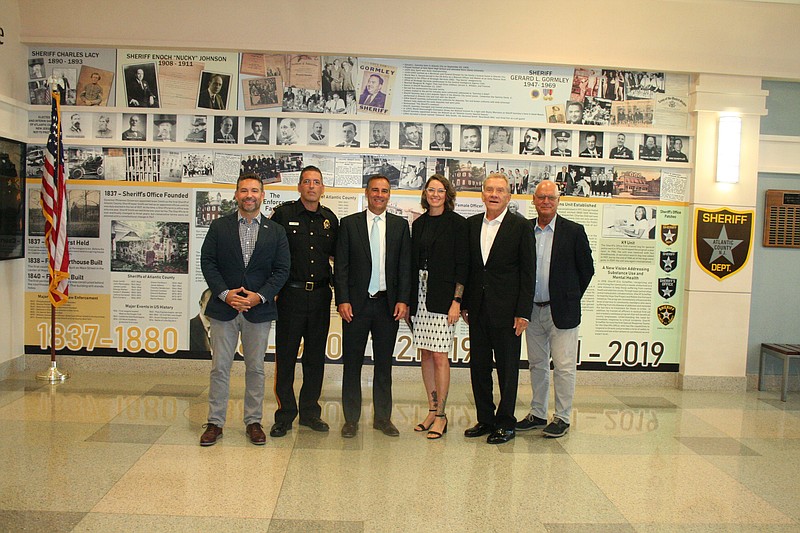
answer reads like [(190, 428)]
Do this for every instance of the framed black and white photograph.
[(164, 127), (622, 143), (193, 128), (105, 124), (288, 132), (471, 138), (213, 90), (226, 129), (137, 127), (532, 141), (501, 140), (410, 136), (591, 144), (651, 148), (141, 85), (441, 137), (349, 135), (257, 129), (318, 133), (677, 147)]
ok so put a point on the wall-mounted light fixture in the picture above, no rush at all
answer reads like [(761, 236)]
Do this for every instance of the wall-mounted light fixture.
[(729, 147)]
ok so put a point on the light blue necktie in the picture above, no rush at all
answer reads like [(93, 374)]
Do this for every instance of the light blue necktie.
[(375, 249)]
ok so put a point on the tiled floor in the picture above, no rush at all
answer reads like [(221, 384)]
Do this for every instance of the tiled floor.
[(105, 452)]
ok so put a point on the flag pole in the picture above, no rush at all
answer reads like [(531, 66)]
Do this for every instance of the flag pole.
[(54, 207)]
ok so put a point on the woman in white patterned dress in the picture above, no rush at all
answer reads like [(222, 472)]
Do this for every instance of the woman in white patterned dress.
[(439, 266)]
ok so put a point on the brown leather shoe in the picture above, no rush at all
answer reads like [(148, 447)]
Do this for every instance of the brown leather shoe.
[(349, 430), (211, 435), (255, 434), (386, 427)]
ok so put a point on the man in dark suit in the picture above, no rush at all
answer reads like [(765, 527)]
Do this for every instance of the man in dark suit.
[(257, 136), (245, 261), (210, 97), (373, 284), (553, 330), (199, 326), (592, 148), (373, 96), (139, 93), (441, 138), (497, 303)]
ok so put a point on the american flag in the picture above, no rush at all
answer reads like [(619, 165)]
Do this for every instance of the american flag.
[(54, 205)]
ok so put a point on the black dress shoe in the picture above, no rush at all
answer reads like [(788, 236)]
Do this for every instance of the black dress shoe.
[(279, 429), (479, 430), (317, 424), (349, 430), (386, 427), (500, 436)]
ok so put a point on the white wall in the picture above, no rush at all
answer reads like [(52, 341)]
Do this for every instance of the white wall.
[(713, 36), (13, 124)]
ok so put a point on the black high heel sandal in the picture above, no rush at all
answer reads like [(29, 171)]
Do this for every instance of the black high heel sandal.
[(420, 427), (433, 435)]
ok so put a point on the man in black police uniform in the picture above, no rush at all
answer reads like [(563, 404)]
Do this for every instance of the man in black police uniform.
[(304, 303)]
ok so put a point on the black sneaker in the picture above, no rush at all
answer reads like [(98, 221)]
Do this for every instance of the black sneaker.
[(556, 428), (530, 422)]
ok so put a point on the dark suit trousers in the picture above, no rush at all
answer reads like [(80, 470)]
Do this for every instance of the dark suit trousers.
[(374, 318), (484, 340), (301, 315)]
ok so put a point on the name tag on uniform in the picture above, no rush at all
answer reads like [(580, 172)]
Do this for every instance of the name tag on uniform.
[(294, 223)]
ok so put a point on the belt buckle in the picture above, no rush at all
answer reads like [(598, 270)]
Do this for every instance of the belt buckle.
[(309, 286)]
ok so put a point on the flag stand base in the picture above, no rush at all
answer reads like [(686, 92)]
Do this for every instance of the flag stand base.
[(53, 374)]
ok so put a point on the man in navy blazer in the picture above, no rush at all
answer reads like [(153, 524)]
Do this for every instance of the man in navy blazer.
[(372, 281), (553, 330), (245, 261), (497, 303)]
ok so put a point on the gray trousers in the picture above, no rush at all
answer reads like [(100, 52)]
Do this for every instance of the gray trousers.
[(224, 340), (544, 341)]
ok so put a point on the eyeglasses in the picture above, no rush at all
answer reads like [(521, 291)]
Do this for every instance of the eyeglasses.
[(543, 197), (431, 190)]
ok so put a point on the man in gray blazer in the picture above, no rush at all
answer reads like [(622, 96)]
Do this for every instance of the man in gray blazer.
[(372, 279), (556, 315), (245, 260)]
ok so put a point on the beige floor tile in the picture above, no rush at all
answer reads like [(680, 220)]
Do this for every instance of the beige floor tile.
[(130, 433), (773, 475), (678, 489), (764, 423), (217, 481), (111, 523), (717, 528), (472, 485), (62, 476), (318, 526), (161, 410), (716, 446), (50, 521), (65, 407)]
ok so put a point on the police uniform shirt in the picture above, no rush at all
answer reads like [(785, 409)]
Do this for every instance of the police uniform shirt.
[(312, 240)]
